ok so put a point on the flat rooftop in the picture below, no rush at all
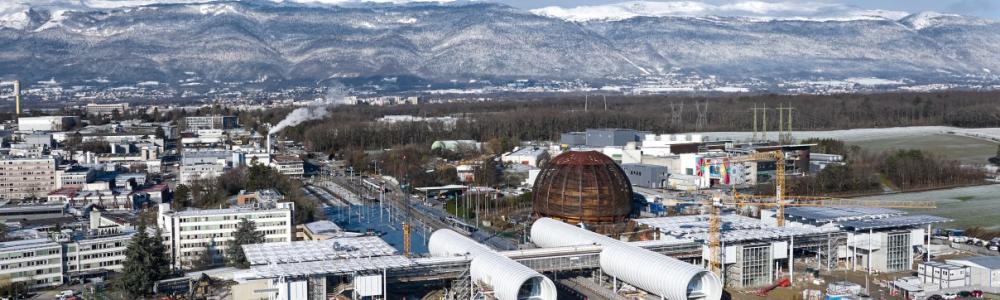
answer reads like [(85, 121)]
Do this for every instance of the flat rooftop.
[(836, 214), (235, 210), (325, 250), (892, 222), (27, 244), (988, 262), (734, 228), (339, 266), (323, 227)]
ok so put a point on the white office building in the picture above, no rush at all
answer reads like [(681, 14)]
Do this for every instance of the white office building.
[(291, 166), (36, 262), (197, 165), (192, 233), (96, 254), (47, 123)]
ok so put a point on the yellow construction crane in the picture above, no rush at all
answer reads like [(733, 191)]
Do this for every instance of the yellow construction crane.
[(715, 222), (715, 236), (740, 200), (778, 157), (406, 239)]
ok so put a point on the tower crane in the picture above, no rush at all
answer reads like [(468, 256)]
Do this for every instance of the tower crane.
[(778, 157), (740, 200)]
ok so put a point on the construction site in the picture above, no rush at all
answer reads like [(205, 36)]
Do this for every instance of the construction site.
[(584, 238), (622, 214)]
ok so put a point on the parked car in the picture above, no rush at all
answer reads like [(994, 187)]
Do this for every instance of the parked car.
[(949, 296), (977, 294)]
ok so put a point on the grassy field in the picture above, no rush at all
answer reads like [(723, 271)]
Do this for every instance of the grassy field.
[(968, 206), (965, 149), (950, 141)]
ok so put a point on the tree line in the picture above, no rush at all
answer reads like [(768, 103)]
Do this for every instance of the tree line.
[(544, 118), (866, 172)]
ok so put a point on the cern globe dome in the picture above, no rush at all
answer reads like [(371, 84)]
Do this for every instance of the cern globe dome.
[(583, 187)]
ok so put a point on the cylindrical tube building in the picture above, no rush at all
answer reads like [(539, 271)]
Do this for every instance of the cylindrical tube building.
[(653, 272), (509, 279)]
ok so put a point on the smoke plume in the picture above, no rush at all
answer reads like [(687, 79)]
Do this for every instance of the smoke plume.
[(319, 109)]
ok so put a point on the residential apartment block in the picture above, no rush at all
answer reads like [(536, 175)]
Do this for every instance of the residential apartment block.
[(24, 177)]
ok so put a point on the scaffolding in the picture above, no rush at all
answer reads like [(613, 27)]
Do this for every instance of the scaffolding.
[(756, 266), (897, 253)]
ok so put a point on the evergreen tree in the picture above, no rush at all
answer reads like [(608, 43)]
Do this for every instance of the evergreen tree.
[(182, 195), (145, 262), (137, 278), (160, 133), (246, 234), (157, 260), (261, 177)]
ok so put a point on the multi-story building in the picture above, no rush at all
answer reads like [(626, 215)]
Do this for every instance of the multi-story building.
[(289, 166), (24, 177), (106, 108), (100, 249), (96, 254), (74, 177), (210, 122), (189, 234), (47, 123), (39, 139), (203, 165), (36, 263)]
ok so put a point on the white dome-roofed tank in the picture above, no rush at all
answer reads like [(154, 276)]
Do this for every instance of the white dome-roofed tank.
[(509, 279), (653, 272)]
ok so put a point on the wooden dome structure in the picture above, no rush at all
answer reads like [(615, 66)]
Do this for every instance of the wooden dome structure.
[(583, 186)]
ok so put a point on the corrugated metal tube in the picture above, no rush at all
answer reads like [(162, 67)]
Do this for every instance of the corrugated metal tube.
[(653, 272), (509, 279)]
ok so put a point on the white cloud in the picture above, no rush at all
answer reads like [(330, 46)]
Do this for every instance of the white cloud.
[(764, 10)]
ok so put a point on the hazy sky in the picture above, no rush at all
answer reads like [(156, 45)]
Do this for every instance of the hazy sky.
[(979, 8)]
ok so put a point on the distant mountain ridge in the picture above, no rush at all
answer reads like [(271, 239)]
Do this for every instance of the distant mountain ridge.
[(203, 43)]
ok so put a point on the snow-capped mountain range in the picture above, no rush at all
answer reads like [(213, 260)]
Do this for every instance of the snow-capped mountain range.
[(316, 40)]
